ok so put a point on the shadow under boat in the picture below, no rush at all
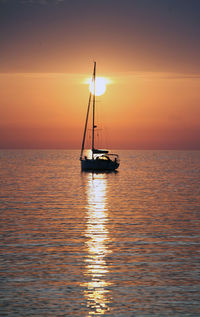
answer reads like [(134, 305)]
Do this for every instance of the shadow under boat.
[(99, 172)]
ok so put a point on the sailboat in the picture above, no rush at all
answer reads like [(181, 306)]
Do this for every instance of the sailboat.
[(101, 160)]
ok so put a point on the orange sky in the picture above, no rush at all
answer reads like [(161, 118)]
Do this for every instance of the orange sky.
[(139, 111), (150, 52)]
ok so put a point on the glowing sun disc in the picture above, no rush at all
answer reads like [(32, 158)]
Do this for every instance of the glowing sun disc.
[(100, 86)]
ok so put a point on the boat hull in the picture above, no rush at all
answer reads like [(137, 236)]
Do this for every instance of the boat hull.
[(98, 165)]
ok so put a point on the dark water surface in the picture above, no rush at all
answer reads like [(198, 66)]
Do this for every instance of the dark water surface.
[(82, 244)]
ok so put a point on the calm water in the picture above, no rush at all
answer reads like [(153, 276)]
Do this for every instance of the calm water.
[(81, 244)]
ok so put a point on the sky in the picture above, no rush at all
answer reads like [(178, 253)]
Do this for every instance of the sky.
[(149, 49)]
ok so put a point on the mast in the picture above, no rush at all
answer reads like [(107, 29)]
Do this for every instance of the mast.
[(93, 125), (85, 129), (87, 115)]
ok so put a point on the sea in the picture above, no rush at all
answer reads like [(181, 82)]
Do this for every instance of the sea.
[(74, 243)]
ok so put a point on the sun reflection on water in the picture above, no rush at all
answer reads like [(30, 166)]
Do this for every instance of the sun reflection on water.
[(97, 237)]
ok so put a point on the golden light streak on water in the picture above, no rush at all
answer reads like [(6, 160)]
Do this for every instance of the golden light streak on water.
[(98, 235)]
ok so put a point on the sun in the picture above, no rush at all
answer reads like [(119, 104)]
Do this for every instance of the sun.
[(100, 86)]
